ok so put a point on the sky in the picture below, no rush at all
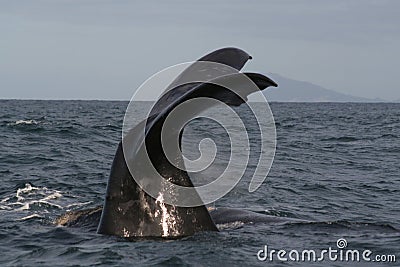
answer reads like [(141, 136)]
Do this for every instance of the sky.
[(100, 49)]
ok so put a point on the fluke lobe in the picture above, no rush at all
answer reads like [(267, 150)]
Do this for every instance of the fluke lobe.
[(128, 210)]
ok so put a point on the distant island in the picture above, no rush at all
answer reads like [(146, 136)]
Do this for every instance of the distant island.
[(290, 90)]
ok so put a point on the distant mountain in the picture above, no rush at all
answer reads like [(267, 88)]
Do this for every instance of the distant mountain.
[(290, 90)]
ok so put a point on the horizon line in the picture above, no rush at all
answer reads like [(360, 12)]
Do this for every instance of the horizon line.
[(127, 100)]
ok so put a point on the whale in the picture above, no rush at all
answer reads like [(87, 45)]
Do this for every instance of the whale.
[(129, 211)]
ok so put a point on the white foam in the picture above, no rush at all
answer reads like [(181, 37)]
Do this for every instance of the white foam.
[(2, 207), (25, 206), (27, 189), (28, 122), (38, 201), (4, 200), (30, 217), (78, 204)]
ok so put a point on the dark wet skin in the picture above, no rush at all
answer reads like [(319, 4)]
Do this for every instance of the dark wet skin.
[(129, 210), (90, 218)]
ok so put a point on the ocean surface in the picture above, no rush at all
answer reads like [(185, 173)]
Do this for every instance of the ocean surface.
[(337, 167)]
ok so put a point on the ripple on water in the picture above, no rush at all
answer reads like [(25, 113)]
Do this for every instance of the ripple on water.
[(329, 167)]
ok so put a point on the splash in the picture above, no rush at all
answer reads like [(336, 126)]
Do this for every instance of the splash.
[(168, 222), (40, 196), (126, 233), (34, 202)]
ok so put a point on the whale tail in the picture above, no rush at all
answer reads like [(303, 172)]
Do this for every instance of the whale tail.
[(129, 211)]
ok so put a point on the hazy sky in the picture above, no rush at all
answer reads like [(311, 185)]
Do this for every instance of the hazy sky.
[(106, 49)]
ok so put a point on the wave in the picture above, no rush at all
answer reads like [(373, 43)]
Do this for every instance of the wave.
[(341, 139), (30, 121), (30, 196), (34, 202), (26, 122), (353, 139), (389, 136), (29, 217), (344, 224)]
